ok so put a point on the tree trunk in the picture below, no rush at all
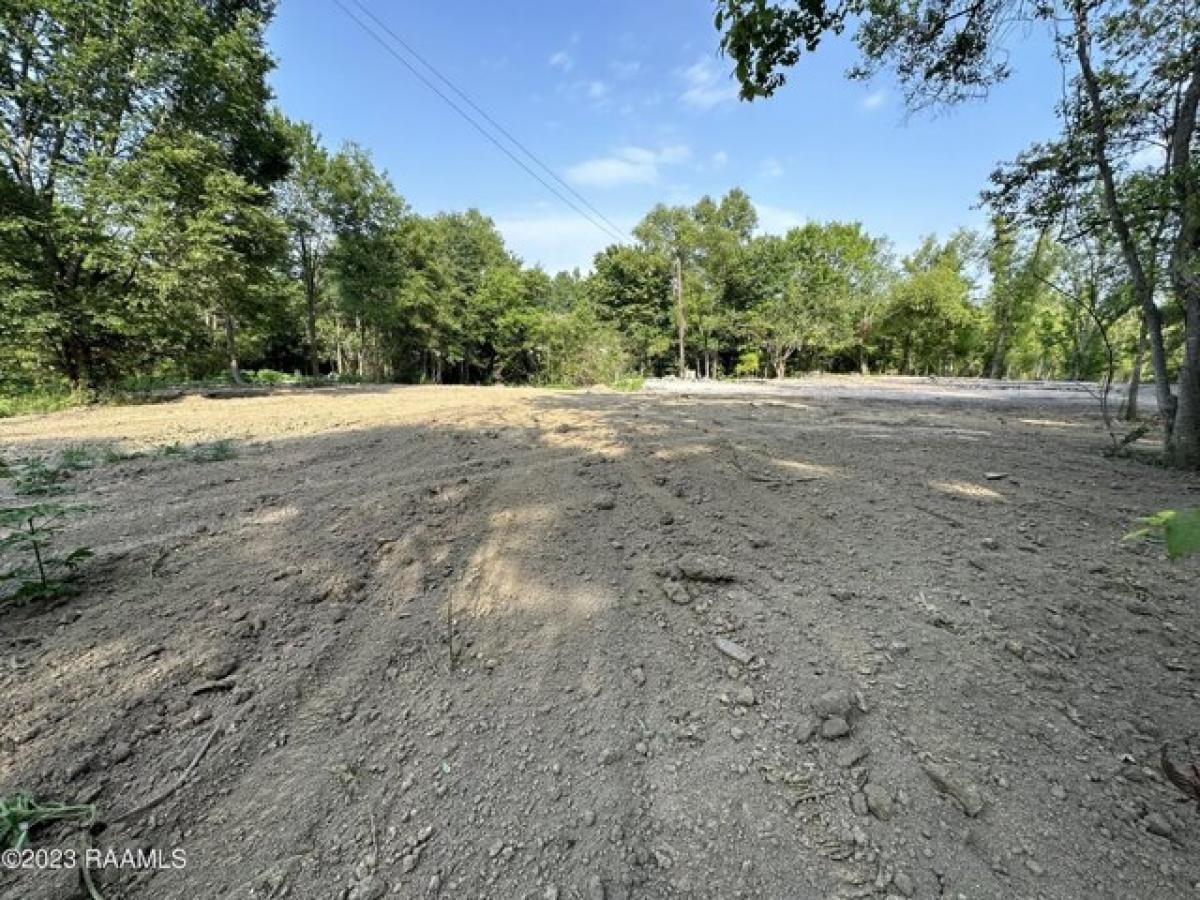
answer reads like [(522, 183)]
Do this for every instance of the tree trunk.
[(996, 366), (1130, 411), (235, 371), (309, 276), (864, 365), (1184, 450), (681, 322), (314, 365), (1143, 290), (362, 347)]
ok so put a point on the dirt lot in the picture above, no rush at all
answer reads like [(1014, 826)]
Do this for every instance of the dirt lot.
[(930, 683)]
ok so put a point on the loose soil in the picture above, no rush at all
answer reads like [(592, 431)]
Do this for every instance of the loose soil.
[(502, 643)]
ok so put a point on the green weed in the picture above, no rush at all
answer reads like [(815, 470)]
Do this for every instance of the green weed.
[(33, 478), (20, 813), (629, 383), (215, 451), (26, 533)]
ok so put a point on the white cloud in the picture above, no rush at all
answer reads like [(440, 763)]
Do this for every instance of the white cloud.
[(776, 219), (770, 168), (706, 85), (719, 159), (625, 68), (627, 165), (597, 90), (555, 241), (875, 99), (561, 60)]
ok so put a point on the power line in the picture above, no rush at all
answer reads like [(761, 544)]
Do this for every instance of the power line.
[(615, 234), (500, 128)]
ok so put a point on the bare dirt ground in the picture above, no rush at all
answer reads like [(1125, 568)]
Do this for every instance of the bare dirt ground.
[(742, 643)]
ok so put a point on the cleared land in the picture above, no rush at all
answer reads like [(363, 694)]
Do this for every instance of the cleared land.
[(1005, 670)]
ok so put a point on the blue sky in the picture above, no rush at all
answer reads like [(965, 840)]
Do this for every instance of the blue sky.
[(629, 101)]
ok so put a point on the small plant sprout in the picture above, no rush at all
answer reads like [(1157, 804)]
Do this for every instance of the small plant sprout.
[(37, 573)]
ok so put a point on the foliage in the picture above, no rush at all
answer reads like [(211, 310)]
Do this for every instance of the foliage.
[(631, 383), (33, 477), (1178, 529), (129, 133), (212, 451), (30, 401), (168, 226), (20, 813), (38, 576), (1123, 170)]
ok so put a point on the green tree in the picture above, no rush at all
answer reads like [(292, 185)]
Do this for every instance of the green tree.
[(631, 288), (1130, 90), (100, 105), (305, 202), (366, 260), (933, 327)]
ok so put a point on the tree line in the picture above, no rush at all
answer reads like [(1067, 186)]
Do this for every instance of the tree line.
[(162, 220), (1120, 185)]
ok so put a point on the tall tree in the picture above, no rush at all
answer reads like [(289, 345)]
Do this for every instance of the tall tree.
[(1133, 88), (930, 319), (99, 102), (305, 201)]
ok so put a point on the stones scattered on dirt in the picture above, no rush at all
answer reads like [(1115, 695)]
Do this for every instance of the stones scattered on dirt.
[(968, 796), (837, 702), (209, 687), (744, 696), (710, 568), (835, 727), (217, 666), (848, 757), (1157, 824), (734, 651), (879, 801), (676, 592), (370, 889), (605, 501), (614, 749)]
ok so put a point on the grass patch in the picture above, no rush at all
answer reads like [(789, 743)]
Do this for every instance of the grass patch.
[(35, 402), (629, 383), (33, 478), (213, 451)]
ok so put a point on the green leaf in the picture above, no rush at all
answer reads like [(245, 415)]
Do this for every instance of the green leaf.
[(1179, 529), (1182, 532)]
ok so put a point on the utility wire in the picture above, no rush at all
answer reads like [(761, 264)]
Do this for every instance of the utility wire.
[(500, 128), (617, 234)]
